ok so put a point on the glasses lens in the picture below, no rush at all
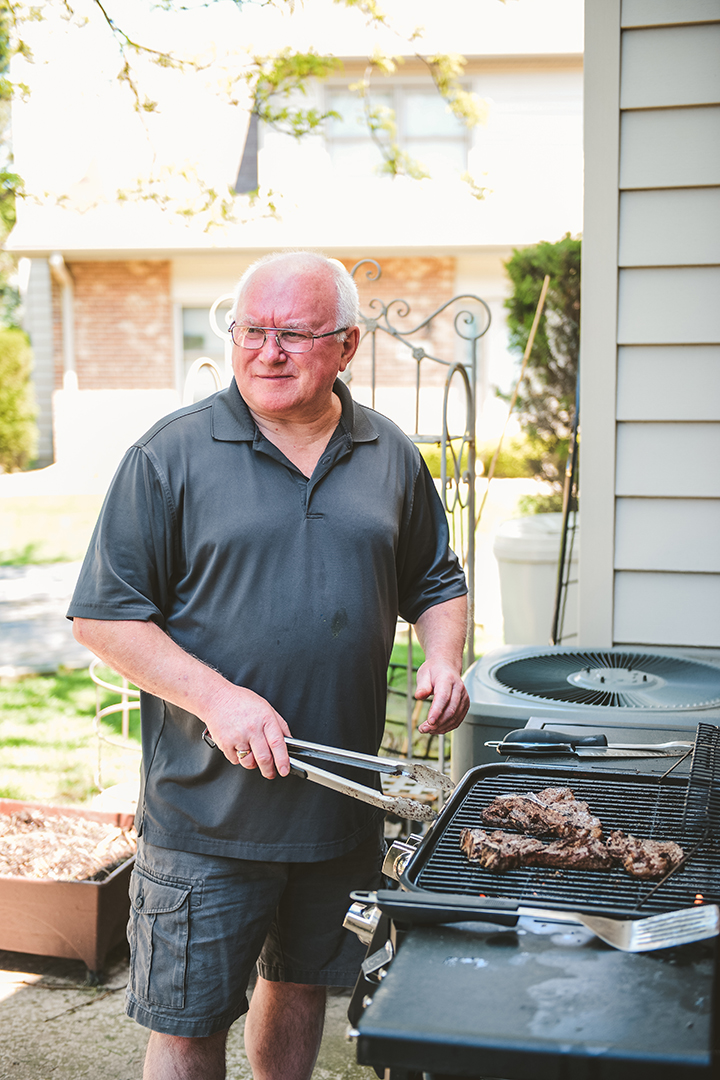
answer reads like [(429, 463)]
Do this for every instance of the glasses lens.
[(249, 337), (294, 341)]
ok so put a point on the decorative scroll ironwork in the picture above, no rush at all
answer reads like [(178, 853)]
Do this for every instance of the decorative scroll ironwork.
[(457, 441)]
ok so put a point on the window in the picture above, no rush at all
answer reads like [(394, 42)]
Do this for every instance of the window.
[(426, 130), (199, 340)]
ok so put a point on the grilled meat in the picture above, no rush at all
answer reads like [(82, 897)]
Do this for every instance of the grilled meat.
[(644, 858), (585, 853), (556, 812), (551, 812), (500, 851)]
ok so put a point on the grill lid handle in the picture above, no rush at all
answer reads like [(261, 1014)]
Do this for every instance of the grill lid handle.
[(427, 909)]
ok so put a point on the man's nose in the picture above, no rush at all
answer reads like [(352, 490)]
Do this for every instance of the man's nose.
[(271, 352)]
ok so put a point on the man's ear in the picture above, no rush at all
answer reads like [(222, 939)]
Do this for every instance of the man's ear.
[(349, 346)]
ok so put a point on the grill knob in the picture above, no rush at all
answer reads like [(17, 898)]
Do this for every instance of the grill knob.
[(396, 860), (362, 919)]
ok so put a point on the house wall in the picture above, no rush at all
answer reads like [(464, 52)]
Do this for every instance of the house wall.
[(123, 324), (650, 351)]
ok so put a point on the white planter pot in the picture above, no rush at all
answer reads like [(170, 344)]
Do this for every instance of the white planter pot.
[(527, 550)]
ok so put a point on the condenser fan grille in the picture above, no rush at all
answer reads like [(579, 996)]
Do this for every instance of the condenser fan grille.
[(616, 679)]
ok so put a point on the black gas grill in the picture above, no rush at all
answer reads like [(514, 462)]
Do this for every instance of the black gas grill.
[(546, 1000)]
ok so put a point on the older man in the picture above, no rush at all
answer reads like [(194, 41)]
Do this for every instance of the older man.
[(246, 572)]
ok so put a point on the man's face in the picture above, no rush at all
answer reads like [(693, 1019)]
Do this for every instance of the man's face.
[(290, 386)]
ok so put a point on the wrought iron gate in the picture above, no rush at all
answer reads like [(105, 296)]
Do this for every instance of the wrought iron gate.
[(467, 319), (452, 350)]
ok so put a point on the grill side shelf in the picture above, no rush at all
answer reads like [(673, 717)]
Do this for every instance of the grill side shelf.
[(639, 804)]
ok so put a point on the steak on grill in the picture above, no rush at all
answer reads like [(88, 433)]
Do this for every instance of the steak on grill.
[(644, 858), (498, 851), (501, 851), (584, 853), (551, 812)]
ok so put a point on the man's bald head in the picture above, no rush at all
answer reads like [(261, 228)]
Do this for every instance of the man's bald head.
[(311, 263)]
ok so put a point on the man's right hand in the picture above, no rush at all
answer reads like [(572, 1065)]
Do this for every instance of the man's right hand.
[(243, 721), (237, 718)]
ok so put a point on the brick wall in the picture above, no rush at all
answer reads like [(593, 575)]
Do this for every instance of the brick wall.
[(123, 325)]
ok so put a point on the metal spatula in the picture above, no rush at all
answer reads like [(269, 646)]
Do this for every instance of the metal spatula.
[(658, 931), (629, 935)]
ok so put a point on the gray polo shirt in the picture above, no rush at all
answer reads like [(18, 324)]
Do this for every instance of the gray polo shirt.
[(286, 585)]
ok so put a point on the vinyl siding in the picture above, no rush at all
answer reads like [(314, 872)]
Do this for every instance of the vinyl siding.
[(675, 227), (665, 506), (652, 534), (670, 66), (668, 609), (669, 305), (666, 12), (648, 387), (663, 148), (675, 460)]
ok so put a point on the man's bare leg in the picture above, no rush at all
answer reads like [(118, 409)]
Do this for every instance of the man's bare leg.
[(283, 1029), (172, 1057)]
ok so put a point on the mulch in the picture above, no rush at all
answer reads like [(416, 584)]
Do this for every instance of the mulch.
[(61, 848)]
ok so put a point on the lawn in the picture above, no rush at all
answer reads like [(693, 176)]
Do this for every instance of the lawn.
[(50, 753), (49, 746)]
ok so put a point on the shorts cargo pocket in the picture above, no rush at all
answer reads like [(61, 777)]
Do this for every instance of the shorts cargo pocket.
[(158, 934)]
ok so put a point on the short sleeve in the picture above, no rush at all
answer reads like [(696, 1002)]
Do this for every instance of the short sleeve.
[(131, 558), (429, 572)]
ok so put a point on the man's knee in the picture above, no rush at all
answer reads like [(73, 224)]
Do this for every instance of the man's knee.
[(178, 1056)]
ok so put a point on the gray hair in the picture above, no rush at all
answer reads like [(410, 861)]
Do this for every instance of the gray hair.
[(347, 311)]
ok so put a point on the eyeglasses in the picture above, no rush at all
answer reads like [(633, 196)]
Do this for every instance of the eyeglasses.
[(292, 341)]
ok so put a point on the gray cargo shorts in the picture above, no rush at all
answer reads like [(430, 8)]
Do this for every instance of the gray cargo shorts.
[(199, 924)]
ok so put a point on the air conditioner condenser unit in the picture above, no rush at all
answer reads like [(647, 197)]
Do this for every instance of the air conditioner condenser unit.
[(617, 687)]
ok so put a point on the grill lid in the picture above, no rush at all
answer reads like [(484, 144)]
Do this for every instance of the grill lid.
[(616, 679)]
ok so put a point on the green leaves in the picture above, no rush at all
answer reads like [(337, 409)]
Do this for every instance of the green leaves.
[(18, 433), (280, 77), (546, 399)]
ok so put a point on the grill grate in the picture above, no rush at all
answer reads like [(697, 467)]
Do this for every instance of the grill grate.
[(641, 804)]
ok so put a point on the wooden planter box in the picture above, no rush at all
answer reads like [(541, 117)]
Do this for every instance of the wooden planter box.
[(78, 920)]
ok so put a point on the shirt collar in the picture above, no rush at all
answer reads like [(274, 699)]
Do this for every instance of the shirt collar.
[(232, 421)]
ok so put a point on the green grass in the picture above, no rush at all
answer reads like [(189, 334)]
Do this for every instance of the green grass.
[(48, 747)]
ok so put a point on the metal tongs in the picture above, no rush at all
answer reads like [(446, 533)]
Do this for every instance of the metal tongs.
[(395, 804)]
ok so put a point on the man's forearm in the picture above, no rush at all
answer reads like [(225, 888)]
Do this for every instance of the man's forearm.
[(238, 718), (442, 630), (143, 653)]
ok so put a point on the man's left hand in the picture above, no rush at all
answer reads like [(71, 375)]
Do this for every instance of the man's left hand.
[(450, 698)]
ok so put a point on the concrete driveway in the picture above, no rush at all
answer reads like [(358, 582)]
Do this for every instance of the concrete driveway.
[(54, 1027)]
